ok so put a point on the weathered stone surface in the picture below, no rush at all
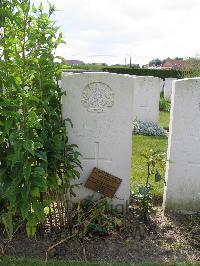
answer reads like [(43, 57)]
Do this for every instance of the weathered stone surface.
[(182, 192), (100, 106), (146, 98), (168, 88), (162, 85)]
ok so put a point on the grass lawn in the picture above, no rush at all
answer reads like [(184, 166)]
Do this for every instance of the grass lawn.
[(139, 168), (17, 261), (13, 261), (164, 119), (141, 144)]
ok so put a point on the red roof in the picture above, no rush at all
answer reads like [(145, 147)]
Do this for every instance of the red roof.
[(174, 63)]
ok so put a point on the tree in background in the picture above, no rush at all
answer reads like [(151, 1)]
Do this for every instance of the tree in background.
[(192, 67), (156, 62)]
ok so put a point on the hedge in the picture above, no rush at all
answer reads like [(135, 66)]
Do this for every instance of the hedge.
[(160, 73)]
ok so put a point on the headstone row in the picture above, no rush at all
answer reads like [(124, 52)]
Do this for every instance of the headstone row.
[(102, 107)]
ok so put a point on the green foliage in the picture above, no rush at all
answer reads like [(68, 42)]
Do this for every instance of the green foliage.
[(138, 171), (192, 67), (95, 218), (160, 73), (35, 157), (22, 261), (156, 62), (155, 161), (164, 119), (164, 105), (97, 67)]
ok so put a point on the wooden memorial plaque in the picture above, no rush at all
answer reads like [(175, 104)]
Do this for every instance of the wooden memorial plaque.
[(103, 182)]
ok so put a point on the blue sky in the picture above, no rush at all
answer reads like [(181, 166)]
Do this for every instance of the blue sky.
[(112, 30)]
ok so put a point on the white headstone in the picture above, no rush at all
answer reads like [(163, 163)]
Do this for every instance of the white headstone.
[(146, 99), (162, 85), (182, 192), (100, 107), (168, 88)]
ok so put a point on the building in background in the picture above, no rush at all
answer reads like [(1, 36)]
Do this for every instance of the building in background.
[(72, 62), (173, 64)]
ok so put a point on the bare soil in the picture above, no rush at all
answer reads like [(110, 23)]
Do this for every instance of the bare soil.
[(166, 239)]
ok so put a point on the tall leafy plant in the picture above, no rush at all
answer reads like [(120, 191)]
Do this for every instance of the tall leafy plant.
[(35, 157)]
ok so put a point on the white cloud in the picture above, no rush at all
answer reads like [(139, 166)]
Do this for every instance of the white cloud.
[(144, 29)]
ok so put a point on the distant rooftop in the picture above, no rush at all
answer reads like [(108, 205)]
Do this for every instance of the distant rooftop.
[(73, 62)]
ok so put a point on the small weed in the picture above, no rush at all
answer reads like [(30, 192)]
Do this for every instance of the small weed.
[(95, 219), (155, 161)]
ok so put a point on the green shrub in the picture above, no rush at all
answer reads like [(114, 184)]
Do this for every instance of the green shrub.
[(147, 129), (35, 157), (160, 73)]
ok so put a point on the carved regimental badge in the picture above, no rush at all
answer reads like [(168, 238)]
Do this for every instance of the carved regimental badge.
[(97, 97)]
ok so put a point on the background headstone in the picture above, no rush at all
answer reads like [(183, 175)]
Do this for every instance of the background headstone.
[(100, 107), (182, 192), (162, 85), (168, 88), (146, 99)]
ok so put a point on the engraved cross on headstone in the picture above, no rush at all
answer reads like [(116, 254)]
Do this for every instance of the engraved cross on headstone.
[(97, 157)]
